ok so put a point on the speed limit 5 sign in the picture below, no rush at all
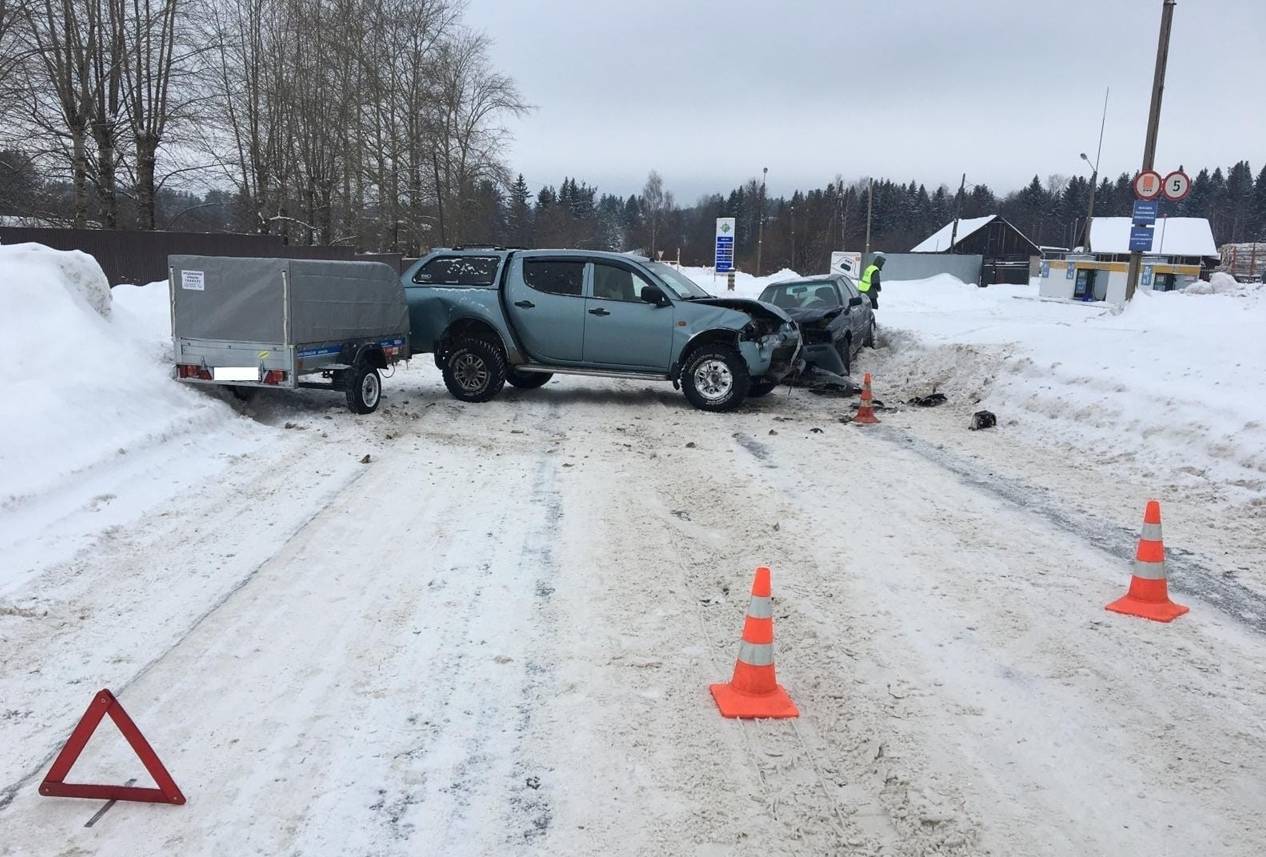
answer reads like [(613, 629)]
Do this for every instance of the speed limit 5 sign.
[(1176, 186)]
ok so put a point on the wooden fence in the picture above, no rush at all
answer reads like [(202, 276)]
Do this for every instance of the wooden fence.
[(141, 257)]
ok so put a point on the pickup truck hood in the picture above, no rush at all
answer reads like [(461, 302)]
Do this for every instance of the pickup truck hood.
[(756, 309)]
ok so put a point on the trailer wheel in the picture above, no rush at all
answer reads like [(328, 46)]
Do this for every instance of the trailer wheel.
[(474, 369), (363, 385)]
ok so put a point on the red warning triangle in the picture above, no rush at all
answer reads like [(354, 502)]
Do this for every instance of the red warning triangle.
[(104, 703)]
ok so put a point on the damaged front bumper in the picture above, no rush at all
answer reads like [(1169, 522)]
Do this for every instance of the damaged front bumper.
[(772, 356)]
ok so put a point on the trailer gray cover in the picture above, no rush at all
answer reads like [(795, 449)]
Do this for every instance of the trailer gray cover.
[(241, 299)]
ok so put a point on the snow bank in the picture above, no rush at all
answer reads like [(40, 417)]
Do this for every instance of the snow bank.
[(745, 285), (86, 378), (1173, 382)]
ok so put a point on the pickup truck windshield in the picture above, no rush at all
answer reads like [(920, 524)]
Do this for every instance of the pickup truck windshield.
[(458, 271), (678, 283)]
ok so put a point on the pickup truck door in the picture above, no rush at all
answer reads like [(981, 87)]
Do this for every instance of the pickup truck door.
[(546, 304), (621, 329)]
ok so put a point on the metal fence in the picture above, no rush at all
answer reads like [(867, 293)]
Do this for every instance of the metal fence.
[(919, 266), (141, 257)]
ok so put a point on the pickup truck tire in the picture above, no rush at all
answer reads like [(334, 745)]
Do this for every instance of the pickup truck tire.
[(363, 386), (474, 369), (528, 380), (760, 388), (715, 378)]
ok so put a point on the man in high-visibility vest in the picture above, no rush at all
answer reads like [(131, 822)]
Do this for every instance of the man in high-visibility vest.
[(869, 283)]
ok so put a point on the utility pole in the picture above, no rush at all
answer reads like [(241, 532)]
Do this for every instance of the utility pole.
[(1094, 176), (958, 210), (1153, 125), (870, 198), (760, 229)]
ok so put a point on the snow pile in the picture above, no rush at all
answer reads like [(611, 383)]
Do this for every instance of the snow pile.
[(86, 379), (1173, 382), (745, 285), (1220, 283)]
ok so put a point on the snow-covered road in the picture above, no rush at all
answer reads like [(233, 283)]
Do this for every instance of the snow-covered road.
[(496, 637)]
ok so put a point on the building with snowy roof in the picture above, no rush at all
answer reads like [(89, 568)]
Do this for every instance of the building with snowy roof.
[(1005, 250), (1182, 247)]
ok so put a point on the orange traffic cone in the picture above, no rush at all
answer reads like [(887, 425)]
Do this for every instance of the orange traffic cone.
[(1149, 592), (754, 690), (866, 410)]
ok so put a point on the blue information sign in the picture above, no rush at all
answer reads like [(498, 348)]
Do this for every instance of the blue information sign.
[(1146, 211), (725, 245), (1140, 239)]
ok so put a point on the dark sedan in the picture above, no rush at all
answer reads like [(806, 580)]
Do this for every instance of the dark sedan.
[(835, 319)]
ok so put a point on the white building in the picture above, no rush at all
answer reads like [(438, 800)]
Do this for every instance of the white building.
[(1180, 247)]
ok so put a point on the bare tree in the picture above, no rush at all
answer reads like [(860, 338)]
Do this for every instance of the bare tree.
[(62, 40), (468, 137), (149, 63), (657, 203)]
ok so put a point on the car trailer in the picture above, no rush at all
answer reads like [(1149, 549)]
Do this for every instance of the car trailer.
[(252, 324)]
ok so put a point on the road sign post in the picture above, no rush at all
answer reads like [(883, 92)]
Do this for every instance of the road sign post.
[(1153, 127), (723, 258)]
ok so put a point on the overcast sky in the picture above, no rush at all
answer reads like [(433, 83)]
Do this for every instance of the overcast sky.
[(708, 93)]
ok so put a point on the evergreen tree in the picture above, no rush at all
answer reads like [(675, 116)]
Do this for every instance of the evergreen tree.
[(519, 214), (1258, 220)]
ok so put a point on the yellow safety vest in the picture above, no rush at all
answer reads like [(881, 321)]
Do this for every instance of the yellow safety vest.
[(863, 285)]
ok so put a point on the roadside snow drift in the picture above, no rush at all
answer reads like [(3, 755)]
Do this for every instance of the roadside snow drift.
[(1173, 383), (85, 374)]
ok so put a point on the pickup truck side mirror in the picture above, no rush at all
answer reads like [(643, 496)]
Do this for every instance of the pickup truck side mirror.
[(653, 295), (857, 301)]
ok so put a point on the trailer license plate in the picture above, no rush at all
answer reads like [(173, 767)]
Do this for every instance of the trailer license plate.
[(235, 373)]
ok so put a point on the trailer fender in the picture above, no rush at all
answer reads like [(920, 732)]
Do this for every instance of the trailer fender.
[(370, 353)]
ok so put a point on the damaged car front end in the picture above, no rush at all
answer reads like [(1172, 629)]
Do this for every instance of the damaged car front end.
[(835, 320)]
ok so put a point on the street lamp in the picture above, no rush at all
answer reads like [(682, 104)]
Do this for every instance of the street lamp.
[(1090, 211), (1094, 176), (760, 230)]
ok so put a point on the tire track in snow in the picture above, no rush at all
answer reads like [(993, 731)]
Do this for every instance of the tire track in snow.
[(1183, 568), (9, 792)]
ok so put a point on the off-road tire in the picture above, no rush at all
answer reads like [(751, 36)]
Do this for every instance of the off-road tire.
[(869, 341), (476, 355), (363, 386), (528, 380), (739, 382), (760, 388)]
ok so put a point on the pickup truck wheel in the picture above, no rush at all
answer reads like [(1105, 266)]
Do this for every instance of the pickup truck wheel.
[(760, 388), (474, 369), (715, 378), (363, 386), (528, 380)]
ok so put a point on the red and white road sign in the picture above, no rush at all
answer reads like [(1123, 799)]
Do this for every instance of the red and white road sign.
[(1148, 185), (1177, 186)]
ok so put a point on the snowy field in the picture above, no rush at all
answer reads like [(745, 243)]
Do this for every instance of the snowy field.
[(496, 636)]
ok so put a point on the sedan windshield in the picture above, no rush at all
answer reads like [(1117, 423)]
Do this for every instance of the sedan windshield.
[(820, 295), (678, 283)]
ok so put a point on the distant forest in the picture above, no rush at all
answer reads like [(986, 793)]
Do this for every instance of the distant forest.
[(381, 125)]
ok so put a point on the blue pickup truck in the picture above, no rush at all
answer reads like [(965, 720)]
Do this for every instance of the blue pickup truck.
[(493, 315)]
